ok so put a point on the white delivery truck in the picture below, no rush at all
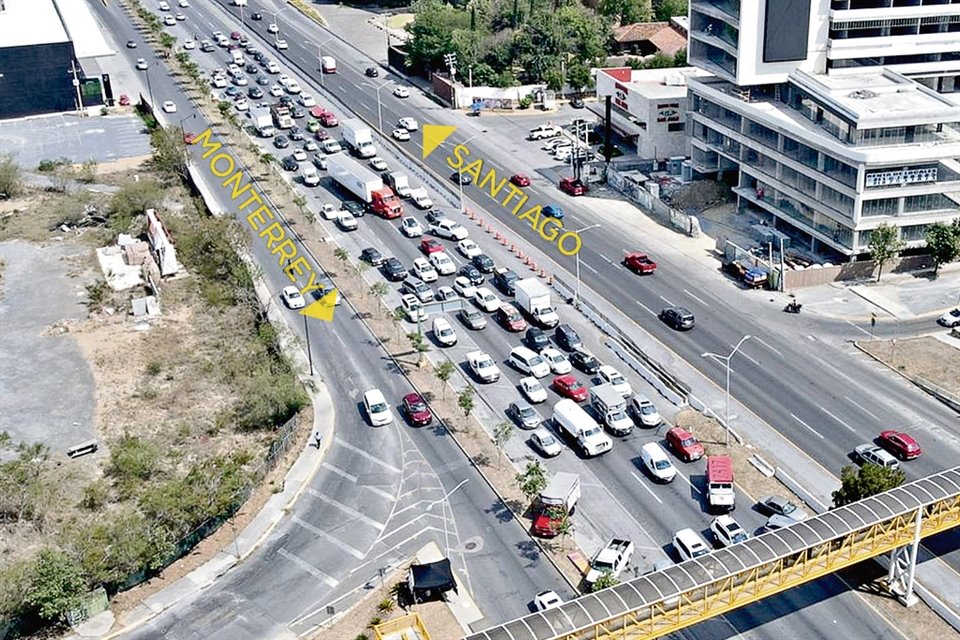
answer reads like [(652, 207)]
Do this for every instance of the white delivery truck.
[(611, 406), (364, 184), (263, 121), (400, 183), (311, 177), (581, 428), (533, 298), (328, 64), (359, 137), (420, 198)]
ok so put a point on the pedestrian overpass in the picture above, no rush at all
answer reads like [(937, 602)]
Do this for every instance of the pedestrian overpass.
[(685, 594)]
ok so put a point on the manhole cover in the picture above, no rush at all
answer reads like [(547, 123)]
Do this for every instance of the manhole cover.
[(472, 545)]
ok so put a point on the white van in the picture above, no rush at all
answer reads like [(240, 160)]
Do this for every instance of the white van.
[(690, 544), (237, 56), (311, 177), (377, 408), (328, 64), (528, 361), (584, 430), (657, 462)]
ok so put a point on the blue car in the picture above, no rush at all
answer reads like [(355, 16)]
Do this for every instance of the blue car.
[(553, 211)]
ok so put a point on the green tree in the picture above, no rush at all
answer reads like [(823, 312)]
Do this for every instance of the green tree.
[(533, 480), (666, 9), (680, 58), (169, 152), (868, 480), (167, 41), (420, 344), (133, 461), (379, 290), (431, 33), (501, 436), (943, 242), (55, 585), (133, 199), (341, 255), (11, 176), (578, 76), (398, 316), (627, 11), (466, 402), (885, 245), (443, 372), (563, 524), (606, 580), (23, 493)]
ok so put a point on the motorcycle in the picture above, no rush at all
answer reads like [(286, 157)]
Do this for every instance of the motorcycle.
[(793, 307)]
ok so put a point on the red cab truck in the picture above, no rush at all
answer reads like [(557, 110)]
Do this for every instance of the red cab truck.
[(365, 185)]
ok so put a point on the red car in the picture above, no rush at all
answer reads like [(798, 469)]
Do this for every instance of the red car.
[(573, 186), (429, 245), (570, 387), (521, 180), (321, 135), (325, 117), (900, 444), (639, 263), (416, 409), (684, 444), (235, 35), (509, 317), (124, 100)]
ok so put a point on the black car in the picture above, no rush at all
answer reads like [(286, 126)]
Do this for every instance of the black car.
[(679, 318), (263, 80), (372, 72), (567, 338), (259, 57), (297, 112), (505, 280), (393, 270), (256, 16), (281, 142), (289, 163), (354, 207), (233, 92), (483, 263), (206, 47), (577, 103), (435, 216), (372, 257), (251, 68), (131, 44), (295, 134), (286, 101), (464, 178), (472, 318), (585, 362), (255, 92), (536, 339), (470, 272)]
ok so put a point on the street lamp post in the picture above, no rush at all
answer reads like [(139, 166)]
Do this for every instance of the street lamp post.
[(576, 295), (379, 104), (320, 58), (726, 359), (150, 86), (183, 134), (306, 331)]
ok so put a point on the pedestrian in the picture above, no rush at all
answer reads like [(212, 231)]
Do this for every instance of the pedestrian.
[(317, 438)]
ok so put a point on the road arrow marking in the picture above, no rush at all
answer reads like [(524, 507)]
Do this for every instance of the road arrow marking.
[(434, 135), (323, 308)]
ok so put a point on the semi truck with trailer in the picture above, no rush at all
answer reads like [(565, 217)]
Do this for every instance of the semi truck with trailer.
[(365, 185)]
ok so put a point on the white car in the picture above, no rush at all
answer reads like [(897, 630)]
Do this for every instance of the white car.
[(241, 104), (450, 230), (444, 333), (276, 91), (293, 87), (180, 17), (545, 442), (424, 270), (184, 4), (307, 100), (468, 249), (169, 21), (442, 263), (164, 6), (189, 43), (299, 155), (533, 390), (401, 92), (486, 299), (311, 146), (292, 298), (483, 366), (377, 408), (558, 362), (273, 67), (401, 134), (447, 293), (411, 227), (378, 163), (727, 532), (346, 221), (240, 81), (328, 211), (219, 82), (410, 124), (281, 44), (872, 454), (645, 410), (141, 64), (689, 544), (949, 319), (284, 79), (273, 28), (412, 307), (461, 284), (169, 106), (331, 146), (615, 378), (547, 600)]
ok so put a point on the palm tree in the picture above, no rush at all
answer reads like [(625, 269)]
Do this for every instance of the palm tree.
[(378, 290), (341, 254)]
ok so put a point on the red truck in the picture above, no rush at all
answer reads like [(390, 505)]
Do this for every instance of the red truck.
[(639, 263), (365, 185), (573, 186), (325, 117), (556, 501)]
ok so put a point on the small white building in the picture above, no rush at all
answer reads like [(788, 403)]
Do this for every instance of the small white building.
[(648, 107)]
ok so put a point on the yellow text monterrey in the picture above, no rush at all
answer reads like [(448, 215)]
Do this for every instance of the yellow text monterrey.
[(257, 213), (514, 200)]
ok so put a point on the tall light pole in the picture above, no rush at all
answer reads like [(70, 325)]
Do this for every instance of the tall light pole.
[(576, 295), (320, 58), (726, 359), (150, 86), (379, 104), (460, 170)]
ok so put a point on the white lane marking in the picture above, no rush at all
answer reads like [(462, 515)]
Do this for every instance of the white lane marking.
[(380, 492), (849, 428), (761, 341), (811, 338), (862, 408), (745, 355), (347, 510), (646, 308), (587, 266), (686, 479), (356, 553), (644, 485), (605, 258), (817, 433), (309, 568), (365, 106), (695, 297), (340, 472), (860, 329), (364, 454), (669, 304)]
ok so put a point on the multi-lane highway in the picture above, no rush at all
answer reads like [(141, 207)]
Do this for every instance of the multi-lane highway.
[(654, 513)]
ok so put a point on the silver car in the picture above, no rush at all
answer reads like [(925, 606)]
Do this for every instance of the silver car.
[(525, 416), (545, 442)]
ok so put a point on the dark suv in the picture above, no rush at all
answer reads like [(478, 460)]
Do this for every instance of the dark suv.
[(394, 270), (505, 280), (536, 339), (679, 318), (567, 338), (483, 263)]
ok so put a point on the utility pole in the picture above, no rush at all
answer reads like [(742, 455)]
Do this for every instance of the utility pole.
[(451, 61), (76, 86)]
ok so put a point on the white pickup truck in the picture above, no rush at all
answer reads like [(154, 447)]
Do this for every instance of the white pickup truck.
[(483, 366), (420, 198), (612, 559)]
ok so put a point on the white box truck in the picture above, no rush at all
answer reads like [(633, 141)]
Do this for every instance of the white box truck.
[(581, 428), (533, 298), (420, 198), (311, 177), (364, 184), (263, 121), (611, 406), (556, 501), (328, 64), (358, 137), (400, 183)]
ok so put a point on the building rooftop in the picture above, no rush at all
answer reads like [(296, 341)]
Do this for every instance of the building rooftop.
[(30, 22), (660, 34), (656, 83), (86, 34)]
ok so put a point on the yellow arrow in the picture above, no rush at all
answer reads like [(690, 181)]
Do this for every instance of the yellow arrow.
[(434, 135), (323, 308)]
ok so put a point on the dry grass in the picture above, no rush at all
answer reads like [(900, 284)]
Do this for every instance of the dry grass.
[(924, 357)]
